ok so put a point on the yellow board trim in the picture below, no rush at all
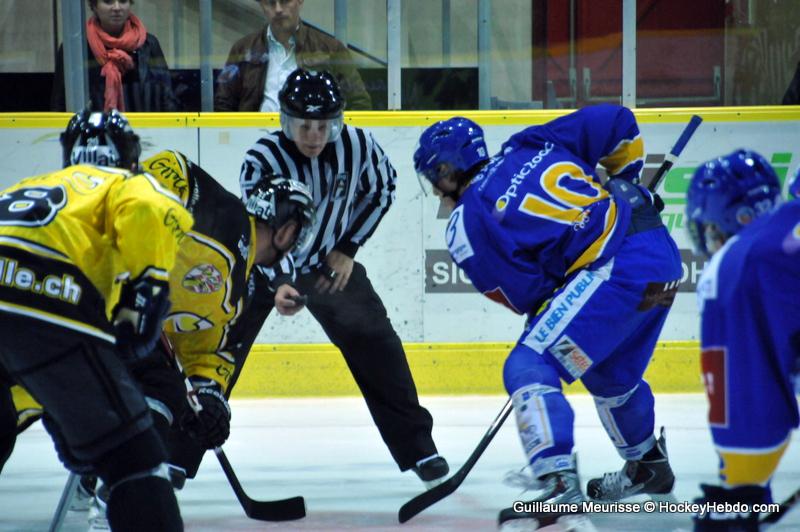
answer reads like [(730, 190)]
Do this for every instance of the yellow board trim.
[(765, 113), (318, 370)]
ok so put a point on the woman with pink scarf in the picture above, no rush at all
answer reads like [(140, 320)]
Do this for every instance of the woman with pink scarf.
[(127, 68)]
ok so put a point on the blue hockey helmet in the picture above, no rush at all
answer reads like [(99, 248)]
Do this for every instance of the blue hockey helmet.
[(726, 194), (794, 185), (449, 146)]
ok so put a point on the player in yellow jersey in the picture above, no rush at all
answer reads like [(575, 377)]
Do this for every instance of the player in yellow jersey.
[(214, 281), (85, 260), (210, 289)]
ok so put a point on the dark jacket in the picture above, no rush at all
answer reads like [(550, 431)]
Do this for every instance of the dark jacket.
[(240, 85), (792, 96), (147, 86)]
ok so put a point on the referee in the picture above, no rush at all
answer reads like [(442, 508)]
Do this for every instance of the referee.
[(353, 185)]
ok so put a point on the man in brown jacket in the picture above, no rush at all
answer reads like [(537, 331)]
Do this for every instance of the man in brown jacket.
[(259, 63)]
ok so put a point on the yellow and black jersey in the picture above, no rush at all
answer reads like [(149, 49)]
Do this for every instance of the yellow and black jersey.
[(68, 238), (209, 285)]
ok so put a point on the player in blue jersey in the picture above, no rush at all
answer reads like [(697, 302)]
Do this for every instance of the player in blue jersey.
[(750, 338), (590, 264), (794, 185)]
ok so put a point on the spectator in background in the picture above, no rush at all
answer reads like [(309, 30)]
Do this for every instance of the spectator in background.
[(127, 68), (259, 63)]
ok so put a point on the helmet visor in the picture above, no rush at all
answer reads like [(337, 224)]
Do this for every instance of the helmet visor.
[(304, 238), (429, 177), (311, 131)]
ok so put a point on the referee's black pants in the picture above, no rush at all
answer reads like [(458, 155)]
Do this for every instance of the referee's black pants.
[(355, 320)]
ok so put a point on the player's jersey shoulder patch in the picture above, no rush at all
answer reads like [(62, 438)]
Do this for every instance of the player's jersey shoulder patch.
[(203, 279), (457, 239)]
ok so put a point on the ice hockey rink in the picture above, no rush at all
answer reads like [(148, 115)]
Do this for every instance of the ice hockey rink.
[(329, 451)]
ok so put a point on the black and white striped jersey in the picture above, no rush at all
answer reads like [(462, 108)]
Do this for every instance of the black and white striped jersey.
[(352, 183)]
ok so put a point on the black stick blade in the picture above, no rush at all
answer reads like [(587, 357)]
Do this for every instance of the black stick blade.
[(437, 493), (281, 510), (429, 498)]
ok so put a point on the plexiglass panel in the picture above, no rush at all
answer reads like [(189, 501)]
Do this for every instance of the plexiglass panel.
[(453, 54)]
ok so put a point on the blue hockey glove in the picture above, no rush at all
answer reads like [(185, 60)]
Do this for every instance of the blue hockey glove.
[(143, 305), (731, 509), (211, 425)]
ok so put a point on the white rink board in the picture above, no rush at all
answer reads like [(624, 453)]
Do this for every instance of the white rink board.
[(395, 257)]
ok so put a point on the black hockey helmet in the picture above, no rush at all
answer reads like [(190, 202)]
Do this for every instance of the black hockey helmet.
[(102, 139), (309, 95), (276, 200)]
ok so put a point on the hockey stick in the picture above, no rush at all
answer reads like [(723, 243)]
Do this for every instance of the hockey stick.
[(437, 493), (277, 510), (789, 503), (673, 155), (63, 503)]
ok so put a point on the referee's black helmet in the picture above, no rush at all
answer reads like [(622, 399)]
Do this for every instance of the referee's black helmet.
[(311, 95)]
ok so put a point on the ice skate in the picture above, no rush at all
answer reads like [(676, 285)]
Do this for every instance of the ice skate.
[(84, 494), (97, 511), (652, 476), (432, 470), (177, 476), (560, 502)]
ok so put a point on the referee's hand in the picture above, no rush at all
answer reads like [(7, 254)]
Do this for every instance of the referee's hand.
[(336, 273)]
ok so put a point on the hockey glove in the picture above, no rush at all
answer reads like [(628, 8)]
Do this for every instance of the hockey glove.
[(211, 425), (62, 449), (658, 203), (729, 510), (143, 305)]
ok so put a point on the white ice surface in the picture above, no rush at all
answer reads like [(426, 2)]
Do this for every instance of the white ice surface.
[(329, 451)]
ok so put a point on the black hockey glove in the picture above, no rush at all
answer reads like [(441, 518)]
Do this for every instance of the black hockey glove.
[(62, 449), (729, 510), (211, 426), (143, 305), (658, 203)]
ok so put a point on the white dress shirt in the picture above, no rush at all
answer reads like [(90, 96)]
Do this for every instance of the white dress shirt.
[(281, 64)]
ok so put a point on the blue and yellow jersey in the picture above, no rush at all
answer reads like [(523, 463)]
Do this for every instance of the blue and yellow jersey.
[(68, 239), (214, 262), (748, 297), (537, 212)]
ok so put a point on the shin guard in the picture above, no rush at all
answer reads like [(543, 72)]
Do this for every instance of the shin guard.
[(629, 420), (545, 422)]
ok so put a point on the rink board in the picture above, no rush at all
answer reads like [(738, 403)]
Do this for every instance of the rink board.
[(311, 370), (431, 304)]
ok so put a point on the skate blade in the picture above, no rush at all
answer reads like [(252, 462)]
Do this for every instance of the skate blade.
[(565, 523)]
